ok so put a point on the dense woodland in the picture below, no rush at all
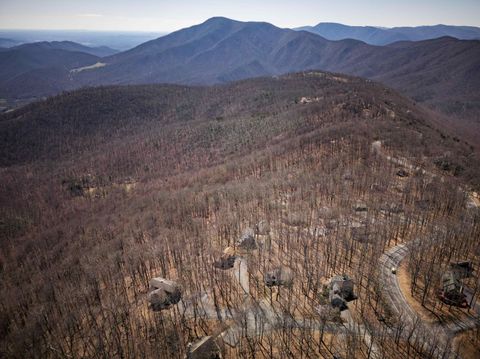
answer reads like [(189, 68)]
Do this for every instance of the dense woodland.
[(103, 189)]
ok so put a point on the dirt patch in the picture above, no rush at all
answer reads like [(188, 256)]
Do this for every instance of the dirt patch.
[(91, 67), (405, 286), (468, 347), (474, 199)]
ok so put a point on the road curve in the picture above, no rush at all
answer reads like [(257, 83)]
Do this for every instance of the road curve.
[(430, 335)]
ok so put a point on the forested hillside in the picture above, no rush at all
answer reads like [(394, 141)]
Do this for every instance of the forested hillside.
[(103, 189)]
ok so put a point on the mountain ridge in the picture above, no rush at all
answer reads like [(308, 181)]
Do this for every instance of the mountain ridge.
[(54, 129), (383, 36)]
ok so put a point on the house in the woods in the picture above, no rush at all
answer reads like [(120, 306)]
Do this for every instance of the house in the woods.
[(281, 276), (305, 100), (262, 228), (451, 291), (341, 291), (247, 240), (343, 285), (391, 208), (227, 260), (360, 207), (336, 301), (402, 173), (462, 269), (205, 348), (163, 293)]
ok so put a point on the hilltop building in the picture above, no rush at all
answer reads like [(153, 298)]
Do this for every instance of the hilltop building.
[(452, 290), (281, 276), (462, 269), (341, 291), (247, 240), (227, 260), (262, 228), (205, 348), (163, 293)]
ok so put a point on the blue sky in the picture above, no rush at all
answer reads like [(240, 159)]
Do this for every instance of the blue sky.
[(166, 16)]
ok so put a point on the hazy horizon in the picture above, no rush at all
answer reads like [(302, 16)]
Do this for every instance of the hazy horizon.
[(166, 16), (202, 21)]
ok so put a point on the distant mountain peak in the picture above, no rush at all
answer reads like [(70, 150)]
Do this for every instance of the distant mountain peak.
[(219, 19), (380, 36)]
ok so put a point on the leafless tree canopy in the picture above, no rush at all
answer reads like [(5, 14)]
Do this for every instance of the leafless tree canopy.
[(103, 189)]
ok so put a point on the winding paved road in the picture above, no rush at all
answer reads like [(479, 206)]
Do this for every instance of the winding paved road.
[(431, 335)]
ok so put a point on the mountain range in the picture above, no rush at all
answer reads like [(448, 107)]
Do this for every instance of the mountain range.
[(42, 68), (383, 36), (118, 40), (27, 58), (443, 73)]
